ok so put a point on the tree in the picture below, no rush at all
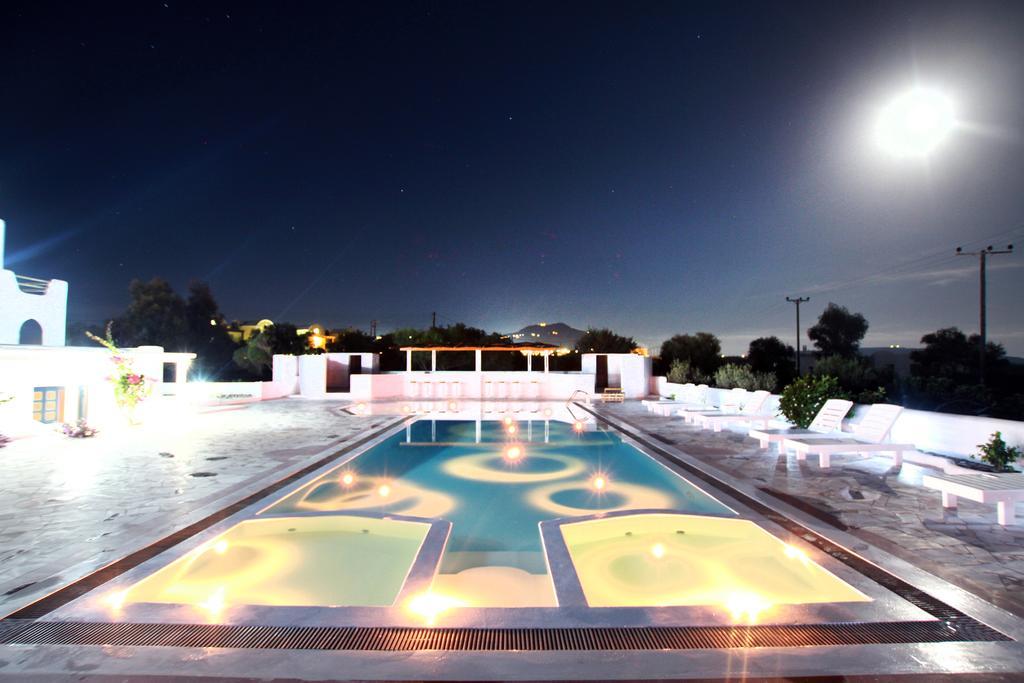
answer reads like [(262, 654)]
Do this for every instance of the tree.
[(155, 317), (207, 333), (257, 355), (702, 350), (949, 353), (350, 340), (838, 332), (770, 354), (857, 377), (603, 340)]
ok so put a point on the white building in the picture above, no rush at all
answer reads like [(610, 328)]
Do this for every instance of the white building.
[(32, 310), (42, 381)]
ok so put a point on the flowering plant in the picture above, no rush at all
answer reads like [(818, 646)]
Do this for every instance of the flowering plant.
[(79, 430), (130, 388)]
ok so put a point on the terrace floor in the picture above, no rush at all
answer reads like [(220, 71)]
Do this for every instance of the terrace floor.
[(867, 497), (69, 506)]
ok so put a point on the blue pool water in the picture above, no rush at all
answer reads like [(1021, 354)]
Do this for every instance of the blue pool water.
[(469, 473)]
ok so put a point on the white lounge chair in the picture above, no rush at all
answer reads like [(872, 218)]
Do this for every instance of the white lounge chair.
[(731, 402), (1003, 489), (749, 413), (868, 437), (829, 420)]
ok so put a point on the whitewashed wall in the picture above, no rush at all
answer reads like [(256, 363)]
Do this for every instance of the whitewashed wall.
[(16, 307), (628, 371), (943, 433)]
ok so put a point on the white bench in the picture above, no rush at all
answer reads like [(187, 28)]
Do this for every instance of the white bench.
[(1003, 489)]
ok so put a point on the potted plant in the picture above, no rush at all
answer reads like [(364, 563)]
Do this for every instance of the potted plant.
[(998, 454)]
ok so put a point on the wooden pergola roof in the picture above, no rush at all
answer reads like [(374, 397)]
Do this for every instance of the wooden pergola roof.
[(490, 347)]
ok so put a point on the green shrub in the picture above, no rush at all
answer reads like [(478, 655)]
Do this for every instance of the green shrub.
[(857, 378), (764, 381), (733, 376), (997, 453), (679, 372), (682, 372), (869, 396), (802, 399)]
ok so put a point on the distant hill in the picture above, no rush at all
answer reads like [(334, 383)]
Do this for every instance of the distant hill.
[(558, 334)]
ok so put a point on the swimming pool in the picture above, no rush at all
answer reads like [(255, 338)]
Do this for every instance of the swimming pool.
[(496, 481), (529, 517)]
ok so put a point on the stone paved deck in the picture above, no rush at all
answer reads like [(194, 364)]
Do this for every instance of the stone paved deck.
[(885, 506), (70, 505)]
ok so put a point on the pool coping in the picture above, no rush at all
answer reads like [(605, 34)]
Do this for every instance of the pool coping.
[(885, 606)]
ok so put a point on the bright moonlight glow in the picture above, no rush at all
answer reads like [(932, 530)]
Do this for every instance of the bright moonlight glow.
[(915, 123)]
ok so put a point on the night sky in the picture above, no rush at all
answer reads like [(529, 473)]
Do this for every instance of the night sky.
[(655, 168)]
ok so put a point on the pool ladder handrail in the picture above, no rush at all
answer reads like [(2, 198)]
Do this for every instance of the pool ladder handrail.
[(572, 400)]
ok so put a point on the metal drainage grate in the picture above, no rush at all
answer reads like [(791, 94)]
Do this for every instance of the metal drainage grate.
[(493, 639)]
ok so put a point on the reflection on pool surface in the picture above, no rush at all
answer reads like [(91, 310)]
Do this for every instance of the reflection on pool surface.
[(668, 559), (496, 481), (328, 560)]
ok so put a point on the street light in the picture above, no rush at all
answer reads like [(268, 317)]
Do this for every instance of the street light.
[(915, 123)]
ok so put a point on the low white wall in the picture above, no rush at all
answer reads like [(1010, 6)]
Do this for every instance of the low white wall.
[(204, 392), (943, 433), (372, 387), (949, 434), (313, 375)]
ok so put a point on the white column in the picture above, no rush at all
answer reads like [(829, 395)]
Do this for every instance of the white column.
[(433, 360), (408, 361), (479, 360), (529, 361), (181, 370), (547, 357)]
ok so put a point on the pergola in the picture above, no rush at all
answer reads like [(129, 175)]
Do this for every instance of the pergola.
[(530, 350)]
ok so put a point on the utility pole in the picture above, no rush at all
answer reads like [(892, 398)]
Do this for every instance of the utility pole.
[(982, 255), (373, 329), (798, 300), (433, 320)]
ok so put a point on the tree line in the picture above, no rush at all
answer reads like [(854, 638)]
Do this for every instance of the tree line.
[(944, 373)]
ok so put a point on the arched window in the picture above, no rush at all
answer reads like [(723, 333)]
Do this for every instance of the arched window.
[(31, 333)]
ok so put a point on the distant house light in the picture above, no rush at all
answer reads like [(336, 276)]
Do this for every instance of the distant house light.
[(213, 323)]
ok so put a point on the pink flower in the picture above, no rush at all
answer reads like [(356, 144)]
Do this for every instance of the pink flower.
[(134, 379)]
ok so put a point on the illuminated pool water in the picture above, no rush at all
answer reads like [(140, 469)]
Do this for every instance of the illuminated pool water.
[(329, 560), (496, 481), (667, 559)]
